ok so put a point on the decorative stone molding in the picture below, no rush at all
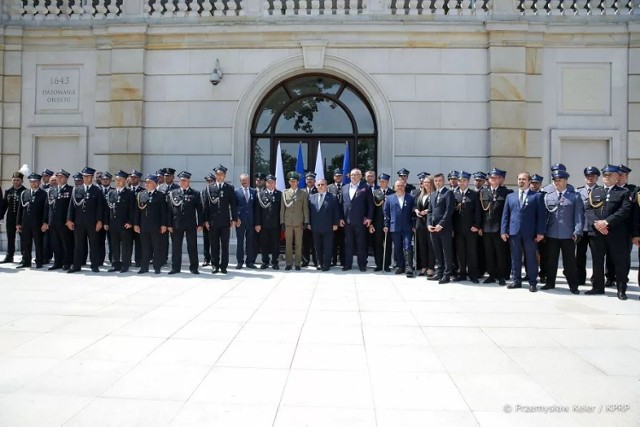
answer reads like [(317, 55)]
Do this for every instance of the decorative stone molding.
[(313, 54)]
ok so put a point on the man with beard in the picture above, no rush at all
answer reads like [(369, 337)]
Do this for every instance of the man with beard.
[(61, 236), (33, 217), (119, 223)]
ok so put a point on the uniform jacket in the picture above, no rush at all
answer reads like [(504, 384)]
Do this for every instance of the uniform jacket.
[(584, 194), (185, 209), (267, 209), (59, 200), (441, 208), (33, 209), (11, 203), (565, 217), (356, 210), (86, 207), (379, 197), (399, 218), (336, 190), (324, 218), (492, 205), (220, 205), (614, 208), (297, 213), (120, 209), (468, 212), (246, 208), (528, 219), (151, 211)]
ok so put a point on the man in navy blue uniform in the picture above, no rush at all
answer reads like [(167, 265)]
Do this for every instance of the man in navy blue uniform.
[(564, 224), (382, 241), (86, 218), (33, 218), (324, 218), (357, 206), (185, 218), (245, 201), (119, 223), (335, 188), (398, 220), (267, 217), (591, 174), (439, 223), (61, 236), (150, 221), (606, 212), (466, 223), (10, 213), (523, 224)]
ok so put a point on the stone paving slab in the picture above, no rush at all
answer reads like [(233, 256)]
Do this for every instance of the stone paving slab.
[(274, 348)]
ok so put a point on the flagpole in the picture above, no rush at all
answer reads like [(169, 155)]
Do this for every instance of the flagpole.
[(279, 170)]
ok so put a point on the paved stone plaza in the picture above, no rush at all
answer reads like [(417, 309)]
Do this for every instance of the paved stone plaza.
[(267, 348)]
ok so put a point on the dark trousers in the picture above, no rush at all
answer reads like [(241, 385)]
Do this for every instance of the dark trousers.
[(466, 251), (102, 240), (137, 249), (520, 244), (121, 247), (256, 245), (355, 242), (323, 244), (32, 236), (82, 233), (270, 245), (424, 249), (176, 248), (482, 259), (308, 250), (11, 240), (152, 248), (568, 248), (443, 250), (495, 250), (165, 247), (338, 246), (379, 250), (402, 241), (206, 244), (610, 271), (544, 257), (219, 238), (48, 246), (581, 257), (62, 244), (244, 248), (614, 244)]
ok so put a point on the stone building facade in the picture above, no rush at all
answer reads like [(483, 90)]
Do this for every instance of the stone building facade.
[(448, 84)]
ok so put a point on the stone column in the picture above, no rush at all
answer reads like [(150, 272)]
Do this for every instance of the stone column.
[(119, 97), (508, 109), (10, 102), (634, 100)]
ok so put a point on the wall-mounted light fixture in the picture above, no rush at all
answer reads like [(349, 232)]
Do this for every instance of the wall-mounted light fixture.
[(216, 74)]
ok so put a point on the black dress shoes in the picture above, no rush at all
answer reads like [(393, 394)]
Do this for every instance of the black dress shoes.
[(434, 278), (206, 263), (38, 265), (387, 270), (547, 287), (124, 270), (574, 291), (622, 296), (251, 266), (276, 267), (142, 271), (21, 265), (54, 267), (73, 270), (489, 280), (6, 260), (476, 281), (533, 288), (377, 269), (346, 268), (66, 267), (400, 271), (460, 279), (157, 271), (95, 269), (326, 268), (215, 270), (111, 270), (288, 268), (594, 292), (445, 279), (298, 267), (194, 271), (502, 282), (516, 284), (174, 272), (609, 283), (305, 264), (239, 266), (363, 269), (223, 270), (264, 266)]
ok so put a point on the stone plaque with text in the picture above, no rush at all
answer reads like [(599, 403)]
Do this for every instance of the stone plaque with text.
[(57, 89), (586, 89)]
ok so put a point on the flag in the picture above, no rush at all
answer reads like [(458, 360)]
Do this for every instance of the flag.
[(300, 168), (346, 165), (319, 164), (279, 171)]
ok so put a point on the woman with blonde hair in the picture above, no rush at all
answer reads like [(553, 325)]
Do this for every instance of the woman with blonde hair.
[(425, 261)]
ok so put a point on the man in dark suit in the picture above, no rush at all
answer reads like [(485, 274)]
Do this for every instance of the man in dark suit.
[(61, 236), (267, 218), (134, 185), (467, 220), (523, 224), (357, 206), (440, 225), (335, 188), (85, 218), (245, 201), (150, 221), (606, 212), (382, 240), (398, 220), (10, 213), (220, 214), (33, 218), (492, 200), (119, 223), (185, 218), (324, 218)]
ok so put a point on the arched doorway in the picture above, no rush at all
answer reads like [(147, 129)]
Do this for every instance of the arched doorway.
[(309, 109)]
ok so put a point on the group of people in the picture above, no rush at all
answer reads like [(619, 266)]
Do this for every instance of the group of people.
[(454, 229)]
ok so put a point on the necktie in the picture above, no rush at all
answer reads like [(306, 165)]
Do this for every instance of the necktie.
[(246, 194), (320, 200), (559, 196), (437, 197), (521, 197), (588, 191)]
